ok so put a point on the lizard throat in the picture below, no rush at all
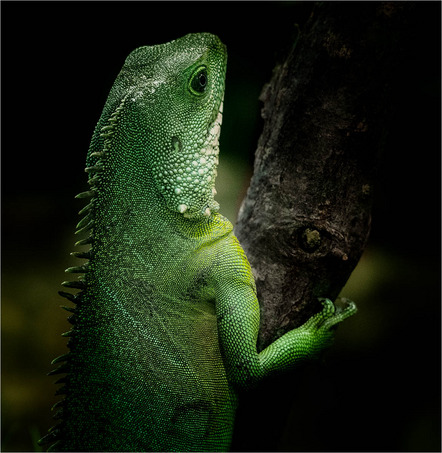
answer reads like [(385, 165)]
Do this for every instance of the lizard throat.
[(187, 177)]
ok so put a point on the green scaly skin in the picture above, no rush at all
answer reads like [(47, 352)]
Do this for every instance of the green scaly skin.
[(166, 319)]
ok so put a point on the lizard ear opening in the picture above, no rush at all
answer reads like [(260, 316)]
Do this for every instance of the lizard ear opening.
[(198, 82)]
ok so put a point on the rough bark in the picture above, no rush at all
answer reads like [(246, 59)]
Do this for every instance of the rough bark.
[(306, 218)]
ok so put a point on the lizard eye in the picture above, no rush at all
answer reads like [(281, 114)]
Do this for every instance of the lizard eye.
[(198, 81)]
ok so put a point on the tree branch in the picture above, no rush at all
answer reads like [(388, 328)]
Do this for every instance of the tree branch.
[(306, 218)]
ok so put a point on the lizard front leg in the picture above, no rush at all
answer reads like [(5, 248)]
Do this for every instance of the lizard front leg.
[(237, 310)]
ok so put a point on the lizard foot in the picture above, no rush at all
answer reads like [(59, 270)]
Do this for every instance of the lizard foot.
[(306, 341), (320, 327)]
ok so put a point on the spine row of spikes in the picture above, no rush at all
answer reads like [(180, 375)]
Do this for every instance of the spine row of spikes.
[(86, 241), (107, 132), (61, 391), (93, 180), (88, 208), (94, 168), (85, 224), (62, 358), (62, 380), (70, 309), (54, 447), (78, 269), (62, 369), (86, 255), (58, 415), (84, 221), (55, 430), (75, 298), (57, 405), (87, 194), (77, 284), (69, 334), (52, 436), (98, 154), (95, 171), (71, 319)]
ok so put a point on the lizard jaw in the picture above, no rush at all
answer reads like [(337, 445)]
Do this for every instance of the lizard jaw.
[(207, 169), (186, 174)]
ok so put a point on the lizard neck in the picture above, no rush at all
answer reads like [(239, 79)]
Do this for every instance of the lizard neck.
[(130, 211), (127, 211), (128, 205)]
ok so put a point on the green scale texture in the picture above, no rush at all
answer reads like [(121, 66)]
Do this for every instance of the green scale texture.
[(166, 320)]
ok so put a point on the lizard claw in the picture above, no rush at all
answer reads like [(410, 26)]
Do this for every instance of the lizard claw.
[(336, 314), (330, 314)]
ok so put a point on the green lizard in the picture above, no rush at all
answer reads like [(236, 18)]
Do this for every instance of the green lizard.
[(166, 320)]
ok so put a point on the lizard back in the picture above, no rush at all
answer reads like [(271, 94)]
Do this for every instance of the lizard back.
[(145, 304)]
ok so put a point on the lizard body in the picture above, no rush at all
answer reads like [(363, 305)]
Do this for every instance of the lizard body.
[(166, 319)]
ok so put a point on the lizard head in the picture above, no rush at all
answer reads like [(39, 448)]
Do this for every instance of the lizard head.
[(173, 101)]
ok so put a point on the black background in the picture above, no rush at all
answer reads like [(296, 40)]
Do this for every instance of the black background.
[(379, 388)]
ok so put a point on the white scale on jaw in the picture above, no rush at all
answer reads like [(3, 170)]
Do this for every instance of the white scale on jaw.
[(201, 172)]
